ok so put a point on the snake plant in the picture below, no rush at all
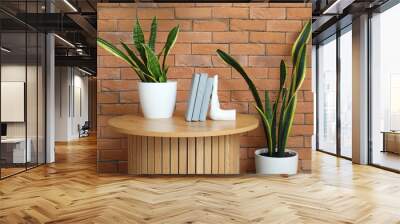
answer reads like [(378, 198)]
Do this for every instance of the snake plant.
[(147, 63), (277, 118)]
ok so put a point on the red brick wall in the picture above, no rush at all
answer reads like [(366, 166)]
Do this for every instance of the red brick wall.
[(259, 35)]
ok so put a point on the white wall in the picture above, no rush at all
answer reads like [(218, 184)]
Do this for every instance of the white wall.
[(71, 102)]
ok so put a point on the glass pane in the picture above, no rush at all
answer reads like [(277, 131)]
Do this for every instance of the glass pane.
[(346, 94), (385, 89), (41, 98), (327, 96), (13, 87), (31, 98)]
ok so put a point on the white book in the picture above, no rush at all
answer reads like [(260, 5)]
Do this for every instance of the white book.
[(199, 96), (192, 97), (206, 99)]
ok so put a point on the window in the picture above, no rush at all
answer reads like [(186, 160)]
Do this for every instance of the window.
[(385, 89), (327, 96), (346, 93)]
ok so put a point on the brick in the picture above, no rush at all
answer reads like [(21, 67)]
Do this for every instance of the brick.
[(108, 73), (305, 107), (210, 25), (295, 142), (264, 61), (232, 84), (218, 62), (107, 97), (118, 85), (180, 73), (229, 12), (284, 25), (116, 13), (129, 97), (267, 13), (308, 96), (287, 5), (106, 25), (242, 96), (240, 107), (223, 73), (102, 120), (279, 49), (175, 5), (163, 25), (184, 84), (194, 37), (109, 133), (243, 153), (116, 37), (111, 62), (247, 25), (179, 48), (193, 13), (128, 73), (298, 118), (230, 37), (247, 49), (299, 13), (208, 48), (213, 4), (182, 96), (309, 119), (253, 73), (306, 130), (267, 37), (255, 142), (160, 13), (193, 60), (118, 109)]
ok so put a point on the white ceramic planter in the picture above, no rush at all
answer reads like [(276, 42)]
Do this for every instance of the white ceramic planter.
[(157, 100), (275, 165)]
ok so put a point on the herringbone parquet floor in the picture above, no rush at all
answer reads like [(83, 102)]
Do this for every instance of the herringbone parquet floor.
[(71, 191)]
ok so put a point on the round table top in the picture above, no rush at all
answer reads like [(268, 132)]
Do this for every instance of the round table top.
[(177, 126)]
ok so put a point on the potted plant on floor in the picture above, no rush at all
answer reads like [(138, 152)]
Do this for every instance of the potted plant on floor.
[(277, 118), (157, 94)]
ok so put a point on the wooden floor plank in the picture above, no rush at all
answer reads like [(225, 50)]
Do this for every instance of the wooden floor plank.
[(71, 191)]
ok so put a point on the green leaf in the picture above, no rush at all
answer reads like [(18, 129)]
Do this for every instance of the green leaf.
[(232, 62), (153, 34), (300, 68), (114, 50), (283, 74), (171, 40), (281, 117), (301, 40), (268, 130), (268, 108), (287, 125), (273, 126), (153, 64), (138, 40), (136, 60)]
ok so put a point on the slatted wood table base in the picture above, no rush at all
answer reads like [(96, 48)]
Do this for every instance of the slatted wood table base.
[(175, 146), (181, 155)]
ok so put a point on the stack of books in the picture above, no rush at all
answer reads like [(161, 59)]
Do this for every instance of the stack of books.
[(199, 98)]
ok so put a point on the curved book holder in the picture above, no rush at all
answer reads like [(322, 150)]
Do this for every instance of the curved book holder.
[(216, 113)]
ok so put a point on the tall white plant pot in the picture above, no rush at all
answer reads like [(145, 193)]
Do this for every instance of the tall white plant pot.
[(157, 100), (275, 165)]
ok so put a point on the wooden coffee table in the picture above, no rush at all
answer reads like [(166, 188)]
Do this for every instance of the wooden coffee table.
[(174, 146)]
